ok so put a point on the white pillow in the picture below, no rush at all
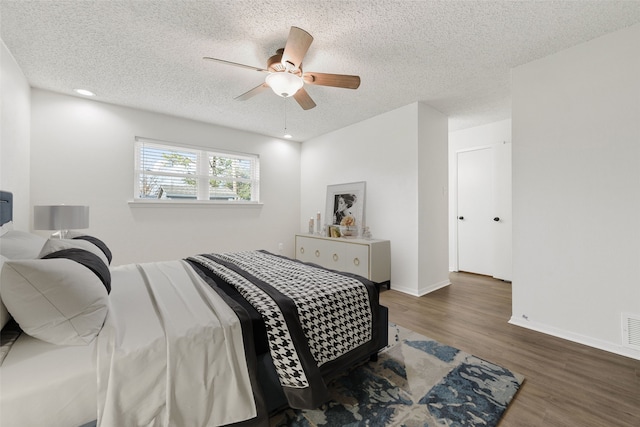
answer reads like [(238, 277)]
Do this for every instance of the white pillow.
[(4, 314), (55, 245), (4, 228), (17, 244), (56, 300)]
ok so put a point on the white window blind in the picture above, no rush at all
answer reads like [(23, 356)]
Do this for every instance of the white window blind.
[(167, 171)]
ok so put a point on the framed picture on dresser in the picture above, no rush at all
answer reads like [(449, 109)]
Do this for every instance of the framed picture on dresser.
[(345, 204)]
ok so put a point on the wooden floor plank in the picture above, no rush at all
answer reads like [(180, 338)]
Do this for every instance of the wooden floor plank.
[(567, 384)]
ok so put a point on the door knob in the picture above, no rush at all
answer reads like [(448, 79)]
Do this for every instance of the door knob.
[(460, 217), (496, 219)]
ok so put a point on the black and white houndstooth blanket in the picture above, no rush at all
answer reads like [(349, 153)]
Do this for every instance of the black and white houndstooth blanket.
[(314, 317)]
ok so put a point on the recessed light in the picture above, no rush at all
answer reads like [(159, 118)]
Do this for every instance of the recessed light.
[(85, 92)]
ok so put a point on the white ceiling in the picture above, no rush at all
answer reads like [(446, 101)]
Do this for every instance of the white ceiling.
[(453, 55)]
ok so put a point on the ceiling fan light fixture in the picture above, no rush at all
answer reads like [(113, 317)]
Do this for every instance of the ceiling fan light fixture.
[(285, 76), (284, 84)]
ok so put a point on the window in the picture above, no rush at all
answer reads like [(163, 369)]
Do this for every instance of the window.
[(172, 172)]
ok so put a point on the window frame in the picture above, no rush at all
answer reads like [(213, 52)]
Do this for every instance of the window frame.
[(202, 180)]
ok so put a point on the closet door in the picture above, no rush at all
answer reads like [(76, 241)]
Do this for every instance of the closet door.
[(502, 233), (475, 216)]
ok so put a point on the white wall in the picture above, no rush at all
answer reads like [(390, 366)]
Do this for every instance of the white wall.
[(433, 209), (497, 137), (15, 106), (576, 157), (82, 152), (385, 151)]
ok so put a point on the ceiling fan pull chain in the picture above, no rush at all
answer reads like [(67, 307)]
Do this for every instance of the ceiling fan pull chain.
[(287, 135)]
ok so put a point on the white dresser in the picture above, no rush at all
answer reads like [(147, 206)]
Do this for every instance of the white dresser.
[(369, 258)]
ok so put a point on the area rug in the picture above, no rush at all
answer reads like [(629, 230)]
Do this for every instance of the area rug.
[(416, 381)]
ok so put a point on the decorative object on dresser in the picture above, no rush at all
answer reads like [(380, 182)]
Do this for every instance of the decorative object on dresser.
[(367, 258), (345, 207), (60, 217)]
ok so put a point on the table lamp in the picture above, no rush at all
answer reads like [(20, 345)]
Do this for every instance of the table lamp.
[(60, 217)]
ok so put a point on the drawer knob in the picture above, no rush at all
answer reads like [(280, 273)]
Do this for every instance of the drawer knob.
[(356, 261), (301, 249), (335, 257), (317, 253)]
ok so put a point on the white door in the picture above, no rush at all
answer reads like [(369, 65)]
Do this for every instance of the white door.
[(502, 268), (475, 211)]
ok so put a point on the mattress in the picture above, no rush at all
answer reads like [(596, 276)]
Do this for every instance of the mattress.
[(59, 385), (42, 381)]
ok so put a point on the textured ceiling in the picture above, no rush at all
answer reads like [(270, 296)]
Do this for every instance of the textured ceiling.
[(453, 55)]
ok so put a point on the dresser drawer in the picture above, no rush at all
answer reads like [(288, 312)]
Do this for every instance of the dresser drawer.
[(368, 258)]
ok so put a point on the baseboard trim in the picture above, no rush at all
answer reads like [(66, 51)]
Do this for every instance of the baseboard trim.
[(404, 290), (577, 338), (434, 287), (422, 290)]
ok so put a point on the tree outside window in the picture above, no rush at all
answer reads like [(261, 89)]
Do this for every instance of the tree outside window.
[(170, 172)]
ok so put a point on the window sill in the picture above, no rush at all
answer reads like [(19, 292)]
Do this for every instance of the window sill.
[(153, 203)]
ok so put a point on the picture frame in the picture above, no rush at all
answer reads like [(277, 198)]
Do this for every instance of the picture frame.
[(334, 231), (343, 201)]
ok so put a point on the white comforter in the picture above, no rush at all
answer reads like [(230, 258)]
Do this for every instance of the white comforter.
[(170, 352)]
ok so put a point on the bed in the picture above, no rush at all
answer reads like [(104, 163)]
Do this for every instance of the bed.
[(213, 339)]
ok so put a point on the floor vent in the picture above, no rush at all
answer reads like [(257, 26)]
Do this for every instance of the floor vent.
[(631, 330)]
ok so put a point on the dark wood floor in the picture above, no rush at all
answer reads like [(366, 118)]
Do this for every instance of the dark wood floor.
[(567, 384)]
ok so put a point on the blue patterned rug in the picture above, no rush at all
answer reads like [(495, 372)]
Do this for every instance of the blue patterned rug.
[(415, 382)]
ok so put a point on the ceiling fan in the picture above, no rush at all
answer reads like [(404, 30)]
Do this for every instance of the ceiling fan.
[(285, 75)]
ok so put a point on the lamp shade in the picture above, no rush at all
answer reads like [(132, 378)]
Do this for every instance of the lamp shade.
[(60, 217), (284, 84)]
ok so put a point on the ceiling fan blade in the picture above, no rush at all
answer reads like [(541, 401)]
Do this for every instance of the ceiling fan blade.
[(297, 45), (303, 98), (334, 80), (252, 92), (235, 64)]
